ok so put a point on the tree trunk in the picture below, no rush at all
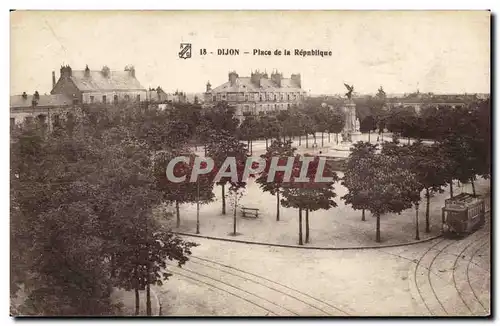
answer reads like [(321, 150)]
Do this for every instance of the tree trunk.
[(307, 141), (328, 136), (223, 201), (473, 186), (427, 208), (363, 215), (178, 214), (300, 226), (148, 300), (300, 140), (408, 140), (369, 136), (266, 144), (278, 205), (137, 299), (451, 188), (307, 226), (251, 147), (205, 149), (337, 138), (322, 144), (417, 234), (234, 215), (195, 147), (377, 237)]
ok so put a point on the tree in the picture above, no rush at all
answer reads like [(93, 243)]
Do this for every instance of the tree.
[(336, 122), (368, 124), (430, 168), (281, 150), (389, 187), (311, 195), (248, 130), (94, 180), (185, 191), (222, 146), (354, 176)]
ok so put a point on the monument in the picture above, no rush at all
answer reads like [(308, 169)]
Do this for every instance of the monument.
[(351, 126)]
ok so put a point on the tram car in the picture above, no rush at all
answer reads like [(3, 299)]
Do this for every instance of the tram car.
[(462, 214)]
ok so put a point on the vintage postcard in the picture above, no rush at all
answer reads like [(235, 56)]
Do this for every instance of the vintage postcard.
[(250, 163)]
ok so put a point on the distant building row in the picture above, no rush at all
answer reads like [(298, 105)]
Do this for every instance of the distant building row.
[(257, 93), (81, 87)]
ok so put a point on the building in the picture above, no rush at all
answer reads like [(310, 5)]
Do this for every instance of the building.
[(99, 86), (47, 109), (257, 94)]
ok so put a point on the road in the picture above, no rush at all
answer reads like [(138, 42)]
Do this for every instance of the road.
[(442, 277)]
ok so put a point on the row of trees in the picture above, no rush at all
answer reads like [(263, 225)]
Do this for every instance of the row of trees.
[(392, 179), (81, 210), (461, 153)]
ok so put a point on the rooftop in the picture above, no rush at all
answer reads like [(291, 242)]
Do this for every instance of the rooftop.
[(55, 100), (97, 81)]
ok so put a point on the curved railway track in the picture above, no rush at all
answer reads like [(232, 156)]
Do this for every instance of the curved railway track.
[(473, 239), (203, 276), (468, 276)]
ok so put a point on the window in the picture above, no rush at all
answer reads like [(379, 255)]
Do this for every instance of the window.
[(104, 99), (115, 99), (288, 95), (91, 99), (127, 97), (138, 98), (275, 97), (75, 101), (28, 119), (261, 97), (246, 98), (214, 98)]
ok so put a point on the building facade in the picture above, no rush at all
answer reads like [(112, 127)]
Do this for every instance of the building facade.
[(45, 109), (257, 94), (99, 86)]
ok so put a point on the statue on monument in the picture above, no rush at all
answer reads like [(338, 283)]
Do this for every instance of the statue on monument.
[(350, 90)]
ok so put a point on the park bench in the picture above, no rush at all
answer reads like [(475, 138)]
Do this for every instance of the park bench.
[(252, 212)]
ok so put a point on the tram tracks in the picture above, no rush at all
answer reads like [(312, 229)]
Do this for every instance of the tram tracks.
[(288, 301), (473, 239)]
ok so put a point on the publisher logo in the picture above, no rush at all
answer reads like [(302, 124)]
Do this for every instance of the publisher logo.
[(185, 52)]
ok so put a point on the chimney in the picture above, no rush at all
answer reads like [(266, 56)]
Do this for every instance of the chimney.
[(66, 71), (35, 99), (296, 79), (87, 71), (276, 78), (131, 70), (209, 87), (53, 79), (105, 71), (232, 77), (24, 95), (255, 78)]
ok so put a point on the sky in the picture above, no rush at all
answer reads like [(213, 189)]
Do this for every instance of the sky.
[(403, 51)]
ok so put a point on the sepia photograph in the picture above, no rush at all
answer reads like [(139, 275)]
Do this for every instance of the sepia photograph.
[(292, 163)]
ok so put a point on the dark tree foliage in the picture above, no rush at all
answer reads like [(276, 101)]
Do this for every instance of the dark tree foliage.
[(81, 202)]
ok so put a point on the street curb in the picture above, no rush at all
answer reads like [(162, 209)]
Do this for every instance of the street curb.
[(306, 247)]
